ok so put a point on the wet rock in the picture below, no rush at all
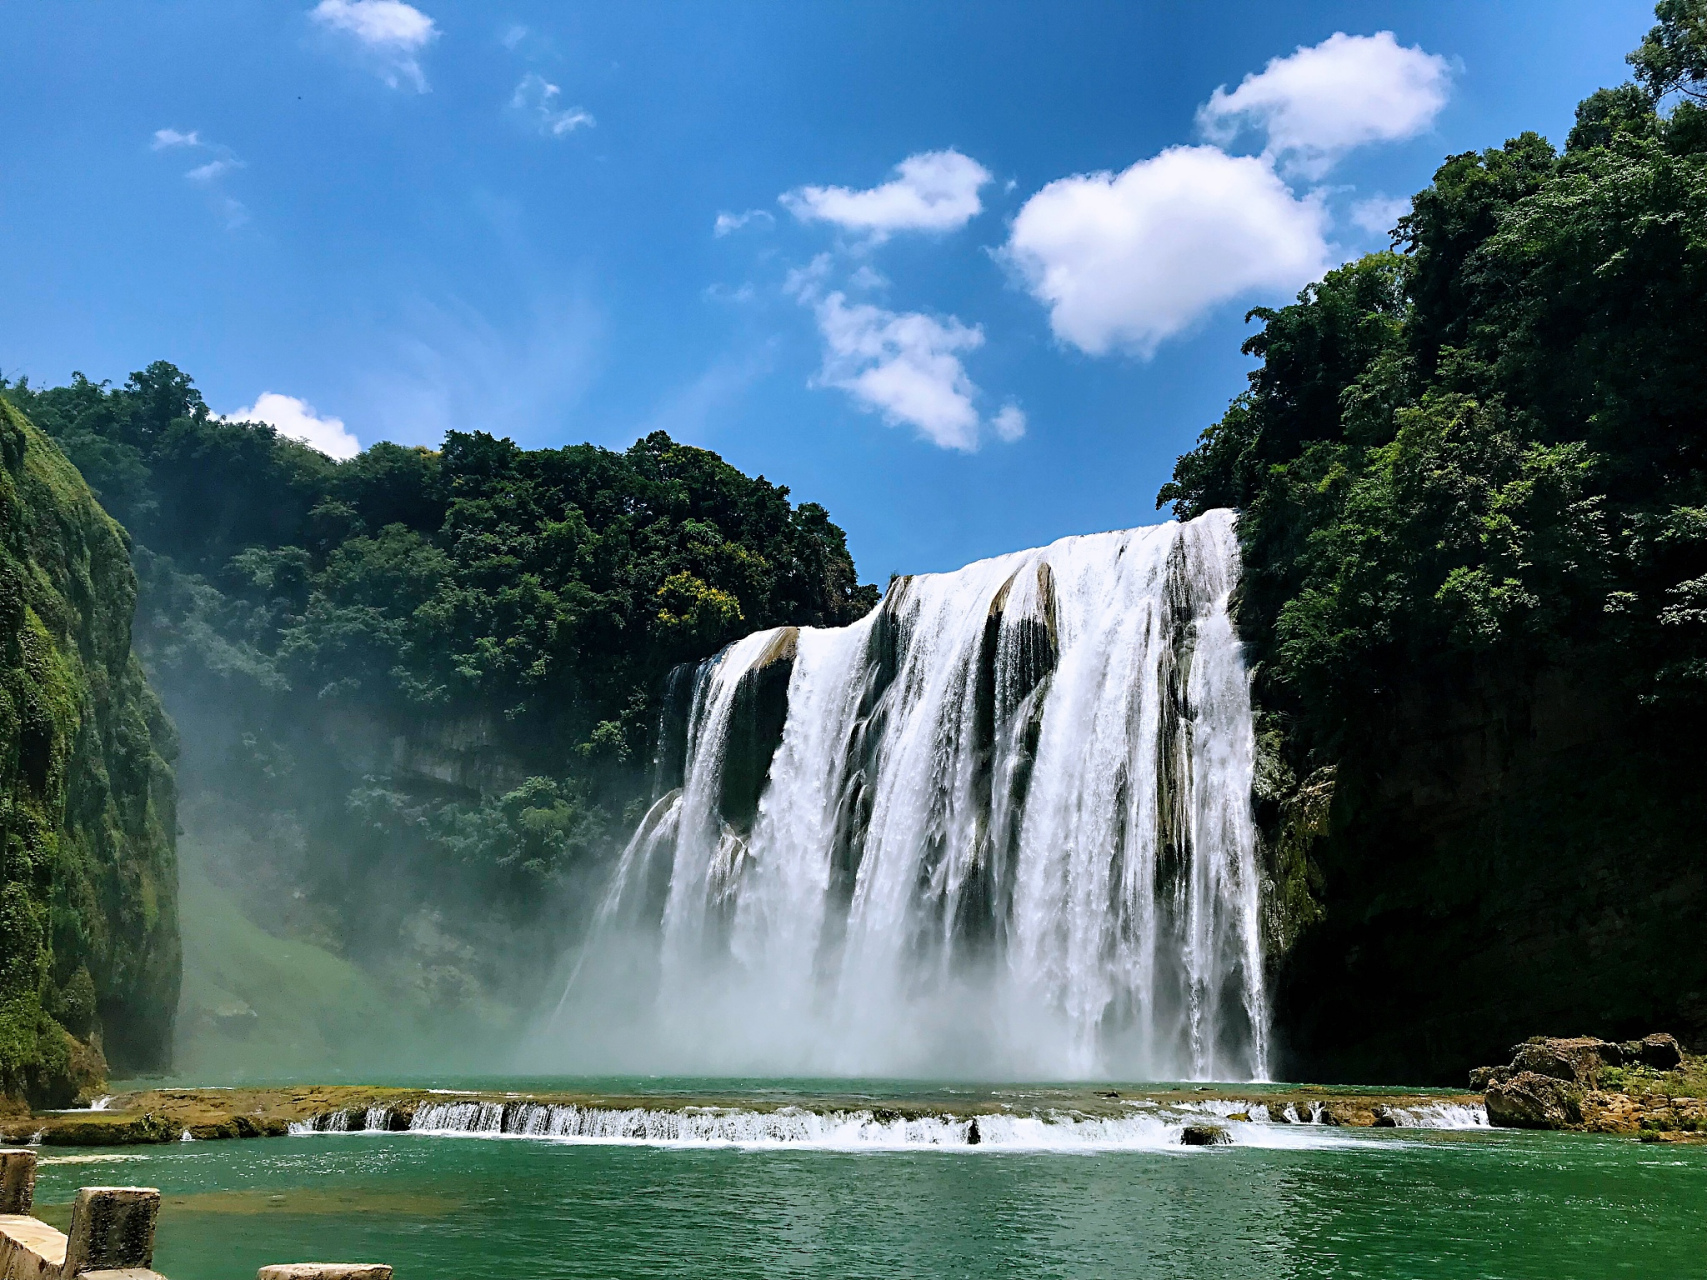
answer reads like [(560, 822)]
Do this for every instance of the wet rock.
[(1205, 1135), (756, 721), (1530, 1100), (973, 1137), (1385, 1118), (326, 1271)]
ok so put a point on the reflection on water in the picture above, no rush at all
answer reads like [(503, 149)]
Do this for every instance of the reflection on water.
[(1396, 1204)]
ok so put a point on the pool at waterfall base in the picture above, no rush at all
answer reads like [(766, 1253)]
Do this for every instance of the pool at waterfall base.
[(875, 1190)]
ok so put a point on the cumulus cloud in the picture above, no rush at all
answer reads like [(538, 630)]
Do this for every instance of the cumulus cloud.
[(932, 191), (297, 420), (540, 101), (1378, 215), (165, 139), (389, 31), (1009, 422), (1125, 260), (728, 222), (1324, 100), (905, 366)]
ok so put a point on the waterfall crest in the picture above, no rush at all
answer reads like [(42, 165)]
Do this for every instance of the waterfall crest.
[(999, 827)]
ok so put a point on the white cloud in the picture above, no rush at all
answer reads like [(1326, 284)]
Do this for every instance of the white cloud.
[(213, 169), (1126, 260), (539, 100), (1324, 100), (1378, 215), (905, 366), (1009, 422), (738, 294), (935, 191), (297, 420), (207, 175), (728, 222), (392, 32)]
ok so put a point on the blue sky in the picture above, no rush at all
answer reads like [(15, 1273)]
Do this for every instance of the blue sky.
[(970, 275)]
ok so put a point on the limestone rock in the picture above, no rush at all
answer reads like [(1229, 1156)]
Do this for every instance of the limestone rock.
[(1578, 1059), (1530, 1100), (1660, 1051), (325, 1271), (1205, 1135), (1482, 1077)]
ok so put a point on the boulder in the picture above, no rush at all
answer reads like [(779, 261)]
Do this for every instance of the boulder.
[(1530, 1100), (1578, 1059), (1660, 1051), (1482, 1077), (1205, 1135)]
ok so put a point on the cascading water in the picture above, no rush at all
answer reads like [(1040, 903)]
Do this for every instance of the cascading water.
[(1000, 826)]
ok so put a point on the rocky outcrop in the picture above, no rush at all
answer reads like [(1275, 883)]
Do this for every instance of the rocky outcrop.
[(89, 952), (1530, 1100), (1204, 1135), (1648, 1085), (755, 729)]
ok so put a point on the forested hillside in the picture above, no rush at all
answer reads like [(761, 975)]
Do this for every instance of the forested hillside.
[(416, 689), (1474, 478), (88, 883)]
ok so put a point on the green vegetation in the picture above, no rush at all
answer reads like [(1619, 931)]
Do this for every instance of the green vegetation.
[(88, 880), (1474, 478), (417, 689)]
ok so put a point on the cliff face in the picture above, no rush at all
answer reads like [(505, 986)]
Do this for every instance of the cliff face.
[(89, 956), (1507, 856)]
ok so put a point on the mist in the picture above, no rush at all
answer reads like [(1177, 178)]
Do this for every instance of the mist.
[(1000, 828)]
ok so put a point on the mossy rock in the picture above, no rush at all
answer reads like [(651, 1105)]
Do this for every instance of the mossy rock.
[(89, 955)]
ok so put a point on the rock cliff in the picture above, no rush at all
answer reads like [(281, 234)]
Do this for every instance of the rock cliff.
[(89, 958)]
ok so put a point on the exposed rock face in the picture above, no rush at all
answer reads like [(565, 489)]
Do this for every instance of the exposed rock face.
[(1505, 855), (87, 802), (1661, 1052), (1577, 1060), (755, 729), (1529, 1100), (1600, 1085)]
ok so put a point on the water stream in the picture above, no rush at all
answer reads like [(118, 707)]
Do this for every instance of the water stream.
[(1000, 825)]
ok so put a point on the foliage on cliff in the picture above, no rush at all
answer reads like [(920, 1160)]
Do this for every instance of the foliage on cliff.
[(419, 686), (1474, 481), (88, 882)]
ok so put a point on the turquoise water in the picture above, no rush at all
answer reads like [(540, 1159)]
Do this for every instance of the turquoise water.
[(1379, 1204)]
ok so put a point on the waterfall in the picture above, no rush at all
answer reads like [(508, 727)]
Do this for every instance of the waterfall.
[(1000, 826)]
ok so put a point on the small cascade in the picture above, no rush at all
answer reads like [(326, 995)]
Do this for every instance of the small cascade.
[(1001, 826)]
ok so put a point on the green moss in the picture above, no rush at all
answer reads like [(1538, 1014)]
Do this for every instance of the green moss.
[(88, 900)]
